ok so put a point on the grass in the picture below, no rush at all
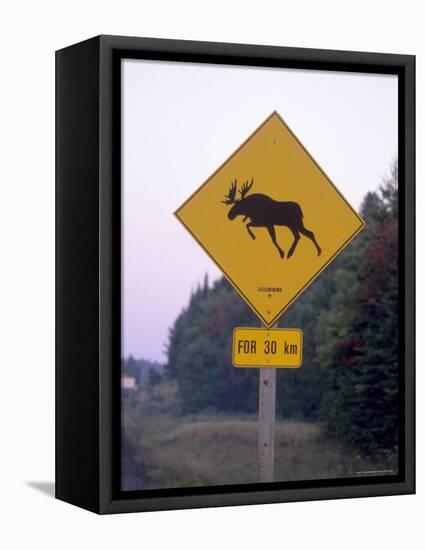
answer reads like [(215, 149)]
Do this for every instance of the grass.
[(215, 449)]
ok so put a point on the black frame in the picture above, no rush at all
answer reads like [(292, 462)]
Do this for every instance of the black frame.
[(88, 268)]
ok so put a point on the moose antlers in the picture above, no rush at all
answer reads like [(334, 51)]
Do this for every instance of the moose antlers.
[(245, 188), (231, 196)]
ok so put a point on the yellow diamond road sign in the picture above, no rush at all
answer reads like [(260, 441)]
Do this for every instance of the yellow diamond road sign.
[(270, 219)]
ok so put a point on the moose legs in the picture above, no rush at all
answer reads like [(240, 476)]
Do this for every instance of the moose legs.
[(296, 235), (272, 232), (309, 234), (248, 226), (295, 232)]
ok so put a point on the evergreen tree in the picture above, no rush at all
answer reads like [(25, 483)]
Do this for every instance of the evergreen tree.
[(357, 336), (199, 352)]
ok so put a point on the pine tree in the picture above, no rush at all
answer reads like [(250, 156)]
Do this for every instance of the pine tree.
[(357, 336)]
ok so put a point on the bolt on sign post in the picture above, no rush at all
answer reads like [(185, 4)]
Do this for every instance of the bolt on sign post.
[(272, 221)]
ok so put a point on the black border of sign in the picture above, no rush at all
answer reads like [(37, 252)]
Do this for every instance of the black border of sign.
[(88, 270)]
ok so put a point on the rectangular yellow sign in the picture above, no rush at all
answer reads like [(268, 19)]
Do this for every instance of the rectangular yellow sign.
[(262, 347)]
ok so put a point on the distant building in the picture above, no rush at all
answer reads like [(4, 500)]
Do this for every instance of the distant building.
[(128, 382), (139, 369)]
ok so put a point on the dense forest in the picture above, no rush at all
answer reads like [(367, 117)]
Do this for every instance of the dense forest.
[(349, 315)]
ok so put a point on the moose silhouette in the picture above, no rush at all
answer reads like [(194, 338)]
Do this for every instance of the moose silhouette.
[(263, 211)]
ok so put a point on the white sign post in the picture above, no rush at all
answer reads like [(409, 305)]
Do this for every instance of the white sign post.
[(266, 422)]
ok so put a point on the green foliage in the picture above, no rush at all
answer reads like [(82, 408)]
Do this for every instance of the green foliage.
[(357, 336), (154, 377), (199, 352)]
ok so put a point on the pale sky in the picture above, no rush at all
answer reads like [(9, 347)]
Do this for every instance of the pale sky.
[(181, 121)]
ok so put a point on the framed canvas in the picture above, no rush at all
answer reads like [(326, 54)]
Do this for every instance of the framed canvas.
[(234, 274)]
